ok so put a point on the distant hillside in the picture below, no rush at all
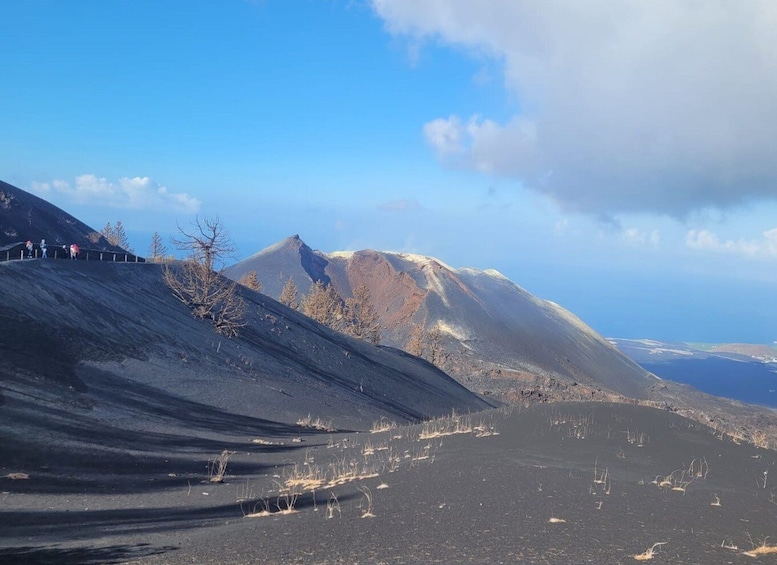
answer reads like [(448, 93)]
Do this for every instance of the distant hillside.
[(743, 372), (767, 353), (499, 338), (24, 216)]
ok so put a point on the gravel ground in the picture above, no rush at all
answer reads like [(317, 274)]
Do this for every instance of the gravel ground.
[(556, 483), (116, 403)]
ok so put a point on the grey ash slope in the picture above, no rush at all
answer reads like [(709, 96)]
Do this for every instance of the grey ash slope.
[(500, 337), (24, 216), (100, 356)]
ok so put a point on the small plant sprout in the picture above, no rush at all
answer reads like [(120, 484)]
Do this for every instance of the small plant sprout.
[(599, 505), (286, 502), (598, 479), (382, 486), (699, 469), (392, 461), (555, 519), (383, 425), (217, 467), (316, 424), (260, 509), (763, 479), (261, 441), (725, 545), (650, 552), (446, 426), (602, 479), (716, 502), (679, 479), (485, 430), (681, 483), (640, 439), (367, 513), (244, 492), (332, 506)]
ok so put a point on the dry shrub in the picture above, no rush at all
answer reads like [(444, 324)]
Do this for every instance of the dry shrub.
[(217, 467), (762, 549)]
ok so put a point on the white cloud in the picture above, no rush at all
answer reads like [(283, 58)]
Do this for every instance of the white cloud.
[(137, 193), (638, 238), (665, 106), (483, 144), (445, 135), (764, 248)]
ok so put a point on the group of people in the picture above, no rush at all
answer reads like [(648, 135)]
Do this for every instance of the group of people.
[(72, 251)]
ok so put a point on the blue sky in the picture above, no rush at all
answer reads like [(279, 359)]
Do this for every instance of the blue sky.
[(620, 162)]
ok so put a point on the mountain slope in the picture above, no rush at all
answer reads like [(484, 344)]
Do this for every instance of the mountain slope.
[(122, 318), (499, 338), (98, 361), (24, 216)]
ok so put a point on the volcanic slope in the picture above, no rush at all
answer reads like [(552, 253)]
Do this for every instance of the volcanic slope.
[(100, 362), (24, 216), (498, 337)]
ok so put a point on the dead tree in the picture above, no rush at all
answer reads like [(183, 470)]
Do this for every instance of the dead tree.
[(361, 319), (116, 235), (415, 344), (157, 249), (197, 283), (288, 295), (429, 345), (437, 353), (324, 305), (251, 280)]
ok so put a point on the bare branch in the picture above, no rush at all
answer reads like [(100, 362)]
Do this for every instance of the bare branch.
[(194, 282)]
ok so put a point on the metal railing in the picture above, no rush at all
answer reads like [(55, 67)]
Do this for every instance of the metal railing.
[(18, 252)]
